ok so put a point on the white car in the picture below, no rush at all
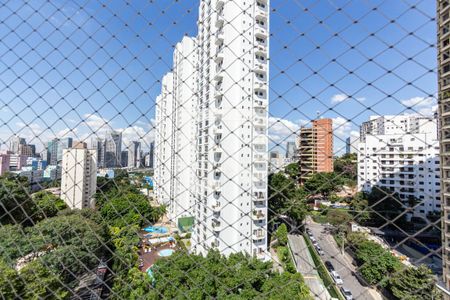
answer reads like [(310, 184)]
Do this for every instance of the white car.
[(347, 294), (336, 278)]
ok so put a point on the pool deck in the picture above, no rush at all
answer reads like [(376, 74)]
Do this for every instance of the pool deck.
[(150, 258)]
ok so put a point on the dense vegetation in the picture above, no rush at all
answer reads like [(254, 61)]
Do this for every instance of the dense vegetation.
[(379, 267), (183, 276)]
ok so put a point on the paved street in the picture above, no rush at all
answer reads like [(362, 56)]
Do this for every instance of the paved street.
[(341, 263), (305, 266)]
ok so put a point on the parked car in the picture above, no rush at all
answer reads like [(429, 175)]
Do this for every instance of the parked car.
[(336, 278), (329, 265), (320, 251), (347, 294)]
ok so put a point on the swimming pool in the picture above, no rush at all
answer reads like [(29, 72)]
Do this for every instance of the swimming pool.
[(166, 252), (156, 229)]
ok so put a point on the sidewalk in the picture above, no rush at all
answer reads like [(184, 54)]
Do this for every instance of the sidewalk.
[(305, 265)]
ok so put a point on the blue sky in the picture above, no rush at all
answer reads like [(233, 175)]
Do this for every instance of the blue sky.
[(78, 68)]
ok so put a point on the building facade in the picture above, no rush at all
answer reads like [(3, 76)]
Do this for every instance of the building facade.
[(231, 191), (55, 149), (4, 163), (443, 20), (176, 127), (351, 144), (78, 177), (291, 150), (404, 163), (112, 150), (15, 143), (134, 155), (316, 148), (212, 118)]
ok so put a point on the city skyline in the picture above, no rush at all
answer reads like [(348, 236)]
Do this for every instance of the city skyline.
[(350, 99)]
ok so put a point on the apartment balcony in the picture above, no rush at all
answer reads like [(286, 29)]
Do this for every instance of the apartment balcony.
[(258, 235), (219, 19), (216, 186), (219, 4), (261, 12), (260, 67), (261, 32), (216, 207), (217, 149), (259, 122), (260, 104), (258, 215), (219, 37), (216, 226), (260, 158), (218, 92)]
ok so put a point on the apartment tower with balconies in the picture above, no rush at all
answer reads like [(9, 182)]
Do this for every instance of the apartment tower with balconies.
[(231, 192)]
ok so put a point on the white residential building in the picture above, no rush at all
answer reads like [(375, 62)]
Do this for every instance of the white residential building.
[(163, 141), (176, 115), (399, 124), (231, 193), (79, 177), (211, 129), (407, 163)]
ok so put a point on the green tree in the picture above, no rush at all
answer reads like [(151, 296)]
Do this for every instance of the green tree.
[(385, 206), (360, 210), (281, 234), (414, 284), (130, 209), (15, 201), (41, 283), (10, 283), (377, 263), (324, 183), (346, 167), (293, 171), (13, 243), (286, 199), (339, 218), (47, 205)]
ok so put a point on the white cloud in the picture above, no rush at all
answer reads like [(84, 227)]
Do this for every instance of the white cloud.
[(338, 98), (419, 102), (428, 111), (282, 130)]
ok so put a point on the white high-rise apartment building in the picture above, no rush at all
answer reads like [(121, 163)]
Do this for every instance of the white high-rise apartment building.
[(163, 141), (400, 124), (176, 115), (231, 194), (407, 163), (211, 129), (79, 177)]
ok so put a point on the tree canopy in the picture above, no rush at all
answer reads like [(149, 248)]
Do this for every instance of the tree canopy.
[(214, 276), (324, 183)]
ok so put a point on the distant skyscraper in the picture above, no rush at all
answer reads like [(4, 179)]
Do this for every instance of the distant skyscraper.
[(4, 163), (351, 144), (79, 177), (291, 150), (55, 149), (316, 148), (98, 144), (113, 149), (134, 155), (14, 144), (151, 154)]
